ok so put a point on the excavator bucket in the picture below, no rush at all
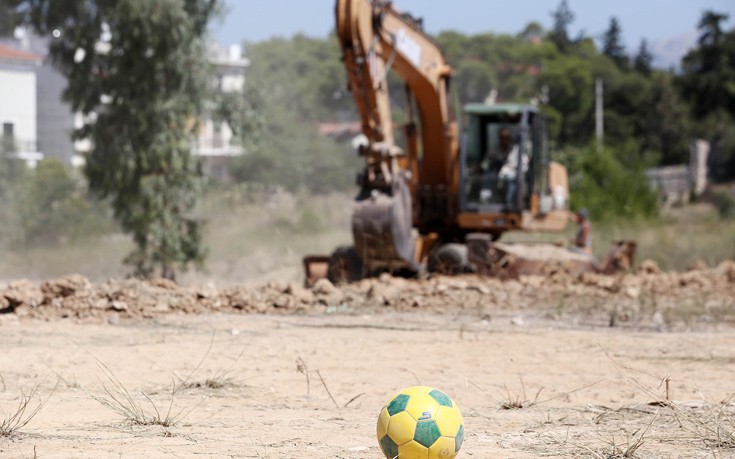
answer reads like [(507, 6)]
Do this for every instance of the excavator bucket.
[(315, 268), (382, 228)]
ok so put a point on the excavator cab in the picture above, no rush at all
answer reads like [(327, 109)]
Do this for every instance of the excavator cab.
[(507, 179)]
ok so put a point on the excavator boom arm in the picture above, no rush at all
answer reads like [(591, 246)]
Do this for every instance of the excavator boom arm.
[(376, 37)]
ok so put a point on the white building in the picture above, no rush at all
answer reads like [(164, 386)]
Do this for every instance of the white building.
[(18, 115), (215, 142), (54, 118), (33, 114)]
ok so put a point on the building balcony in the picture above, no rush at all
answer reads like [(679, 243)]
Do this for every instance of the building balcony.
[(215, 146), (25, 150)]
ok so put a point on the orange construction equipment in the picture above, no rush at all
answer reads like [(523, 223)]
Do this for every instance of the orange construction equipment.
[(420, 202)]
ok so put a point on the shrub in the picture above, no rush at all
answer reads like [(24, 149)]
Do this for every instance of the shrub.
[(725, 203), (49, 206), (611, 183)]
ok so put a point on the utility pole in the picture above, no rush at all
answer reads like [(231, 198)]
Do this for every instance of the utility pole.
[(599, 114)]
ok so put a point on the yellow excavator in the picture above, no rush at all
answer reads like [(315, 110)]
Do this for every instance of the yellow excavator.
[(439, 201)]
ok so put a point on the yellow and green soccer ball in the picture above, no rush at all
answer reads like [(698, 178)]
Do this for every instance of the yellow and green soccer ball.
[(420, 422)]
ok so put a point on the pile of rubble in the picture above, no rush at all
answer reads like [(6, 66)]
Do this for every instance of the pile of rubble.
[(700, 294)]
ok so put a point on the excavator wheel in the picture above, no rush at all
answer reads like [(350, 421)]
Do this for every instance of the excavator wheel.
[(344, 266), (449, 259)]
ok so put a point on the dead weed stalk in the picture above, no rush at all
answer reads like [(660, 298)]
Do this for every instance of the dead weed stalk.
[(711, 424), (220, 379), (632, 444), (519, 401), (118, 399), (22, 414), (302, 368)]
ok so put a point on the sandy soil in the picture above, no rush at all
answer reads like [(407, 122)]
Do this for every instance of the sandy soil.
[(586, 389)]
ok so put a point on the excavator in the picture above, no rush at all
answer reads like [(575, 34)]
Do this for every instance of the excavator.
[(439, 200)]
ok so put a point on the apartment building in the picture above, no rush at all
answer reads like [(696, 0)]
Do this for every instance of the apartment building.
[(18, 103)]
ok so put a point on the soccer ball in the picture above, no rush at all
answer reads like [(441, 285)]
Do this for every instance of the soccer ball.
[(420, 423)]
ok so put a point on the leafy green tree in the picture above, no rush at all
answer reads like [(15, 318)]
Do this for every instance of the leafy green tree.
[(570, 85), (299, 83), (643, 61), (306, 74), (626, 93), (562, 19), (533, 32), (708, 71), (610, 183), (663, 124), (711, 28), (293, 155), (612, 44), (477, 80), (508, 64), (8, 17), (137, 71), (243, 112), (707, 82)]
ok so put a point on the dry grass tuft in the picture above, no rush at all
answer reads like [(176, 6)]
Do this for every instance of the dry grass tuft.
[(701, 422), (118, 399), (712, 424), (220, 379), (519, 401), (619, 451), (22, 415)]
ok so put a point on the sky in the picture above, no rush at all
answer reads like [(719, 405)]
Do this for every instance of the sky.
[(670, 26)]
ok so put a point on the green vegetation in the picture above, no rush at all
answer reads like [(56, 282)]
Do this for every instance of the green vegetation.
[(612, 186), (708, 84), (724, 201), (143, 168), (137, 72), (650, 116), (300, 83), (258, 235), (53, 207), (678, 238), (47, 206)]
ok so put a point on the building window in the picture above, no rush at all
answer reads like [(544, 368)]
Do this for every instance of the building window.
[(8, 130)]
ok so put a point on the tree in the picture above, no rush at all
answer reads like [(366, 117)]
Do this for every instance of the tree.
[(643, 61), (563, 18), (610, 187), (243, 112), (710, 28), (664, 125), (532, 32), (708, 71), (8, 17), (707, 82), (612, 44), (137, 71), (570, 85), (297, 83)]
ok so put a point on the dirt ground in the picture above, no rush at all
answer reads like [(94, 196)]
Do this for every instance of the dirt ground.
[(635, 366)]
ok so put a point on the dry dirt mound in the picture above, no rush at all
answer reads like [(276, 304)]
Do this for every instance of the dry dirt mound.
[(645, 297)]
